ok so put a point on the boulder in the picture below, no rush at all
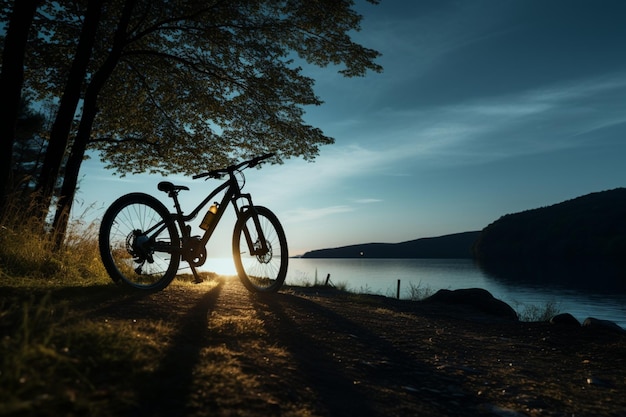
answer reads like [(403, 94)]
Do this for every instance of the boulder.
[(565, 319), (593, 323), (478, 299)]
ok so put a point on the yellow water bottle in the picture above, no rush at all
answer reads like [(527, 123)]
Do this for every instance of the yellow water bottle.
[(208, 217)]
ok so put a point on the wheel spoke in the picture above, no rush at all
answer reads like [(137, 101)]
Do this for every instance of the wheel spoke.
[(260, 271)]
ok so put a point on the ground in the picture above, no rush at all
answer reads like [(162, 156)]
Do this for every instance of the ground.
[(323, 352)]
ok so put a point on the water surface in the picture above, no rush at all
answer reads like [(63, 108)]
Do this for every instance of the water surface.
[(589, 291)]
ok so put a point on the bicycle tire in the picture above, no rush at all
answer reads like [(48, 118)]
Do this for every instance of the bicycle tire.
[(261, 273), (127, 259)]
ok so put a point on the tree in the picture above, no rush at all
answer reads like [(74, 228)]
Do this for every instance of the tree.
[(11, 81), (28, 149), (187, 85), (70, 180), (59, 135)]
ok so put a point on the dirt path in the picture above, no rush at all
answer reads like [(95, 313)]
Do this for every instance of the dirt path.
[(303, 353)]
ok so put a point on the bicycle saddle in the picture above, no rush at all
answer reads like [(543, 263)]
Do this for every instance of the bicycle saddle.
[(168, 187)]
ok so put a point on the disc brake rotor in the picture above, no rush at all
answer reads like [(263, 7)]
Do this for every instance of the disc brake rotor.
[(265, 257)]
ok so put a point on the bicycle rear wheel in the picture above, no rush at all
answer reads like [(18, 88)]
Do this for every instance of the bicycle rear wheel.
[(260, 272), (138, 248)]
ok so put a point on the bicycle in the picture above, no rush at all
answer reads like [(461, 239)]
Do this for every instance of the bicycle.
[(142, 243)]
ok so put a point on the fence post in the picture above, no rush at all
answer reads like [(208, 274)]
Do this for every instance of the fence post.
[(398, 291), (327, 279)]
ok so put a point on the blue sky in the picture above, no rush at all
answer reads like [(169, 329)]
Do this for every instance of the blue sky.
[(484, 108)]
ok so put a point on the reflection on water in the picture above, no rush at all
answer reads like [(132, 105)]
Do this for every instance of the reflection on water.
[(594, 277), (591, 290)]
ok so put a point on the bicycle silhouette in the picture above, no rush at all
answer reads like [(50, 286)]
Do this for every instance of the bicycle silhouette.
[(142, 243)]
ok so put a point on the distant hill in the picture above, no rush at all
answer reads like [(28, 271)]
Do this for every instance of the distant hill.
[(457, 245), (587, 227)]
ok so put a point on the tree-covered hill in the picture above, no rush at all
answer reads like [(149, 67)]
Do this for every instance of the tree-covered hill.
[(587, 227), (449, 246)]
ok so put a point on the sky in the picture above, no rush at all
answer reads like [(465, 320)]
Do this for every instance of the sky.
[(484, 108)]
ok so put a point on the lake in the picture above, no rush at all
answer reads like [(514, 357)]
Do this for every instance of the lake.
[(594, 293)]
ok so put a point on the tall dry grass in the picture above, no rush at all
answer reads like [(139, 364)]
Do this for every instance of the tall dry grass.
[(27, 249)]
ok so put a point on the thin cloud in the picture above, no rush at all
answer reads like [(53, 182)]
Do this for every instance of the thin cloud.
[(530, 122), (309, 214), (368, 201)]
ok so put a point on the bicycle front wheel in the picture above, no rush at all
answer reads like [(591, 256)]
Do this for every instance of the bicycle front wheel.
[(138, 247), (259, 270)]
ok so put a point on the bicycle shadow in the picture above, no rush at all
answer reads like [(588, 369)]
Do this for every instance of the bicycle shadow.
[(166, 390), (364, 374)]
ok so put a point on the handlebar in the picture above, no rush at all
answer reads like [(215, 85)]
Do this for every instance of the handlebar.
[(217, 173)]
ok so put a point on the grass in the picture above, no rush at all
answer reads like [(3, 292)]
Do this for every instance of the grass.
[(54, 359), (537, 313), (51, 357), (305, 281), (416, 292)]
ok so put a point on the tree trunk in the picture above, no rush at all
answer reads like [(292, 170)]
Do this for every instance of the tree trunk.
[(68, 191), (59, 134), (72, 169), (11, 81)]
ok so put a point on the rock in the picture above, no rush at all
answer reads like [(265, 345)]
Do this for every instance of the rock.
[(600, 382), (593, 323), (478, 299), (565, 319)]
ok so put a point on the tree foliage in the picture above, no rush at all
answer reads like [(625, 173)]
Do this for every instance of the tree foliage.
[(200, 86), (178, 86), (201, 83)]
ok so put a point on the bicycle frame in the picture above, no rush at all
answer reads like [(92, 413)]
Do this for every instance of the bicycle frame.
[(231, 196)]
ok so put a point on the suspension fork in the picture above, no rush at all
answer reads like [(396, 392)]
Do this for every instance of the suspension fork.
[(255, 250)]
